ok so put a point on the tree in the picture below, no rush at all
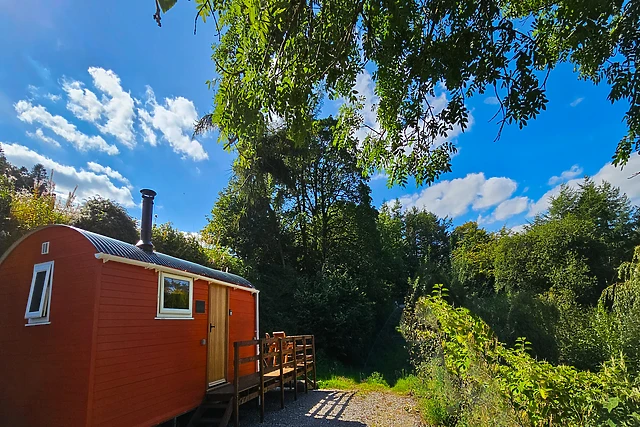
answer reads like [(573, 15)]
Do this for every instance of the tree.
[(300, 219), (391, 227), (472, 258), (106, 217), (428, 246), (615, 220), (280, 59), (170, 241), (560, 256)]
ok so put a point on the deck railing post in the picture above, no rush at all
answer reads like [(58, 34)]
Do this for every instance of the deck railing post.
[(304, 352), (262, 344), (236, 384), (282, 359), (295, 368), (315, 367)]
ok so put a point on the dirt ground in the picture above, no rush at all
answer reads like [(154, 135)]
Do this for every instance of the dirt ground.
[(334, 408)]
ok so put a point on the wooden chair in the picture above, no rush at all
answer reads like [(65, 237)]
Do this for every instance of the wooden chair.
[(271, 361), (288, 345)]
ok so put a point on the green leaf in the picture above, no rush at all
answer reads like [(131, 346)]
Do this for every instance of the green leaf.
[(611, 404), (165, 5)]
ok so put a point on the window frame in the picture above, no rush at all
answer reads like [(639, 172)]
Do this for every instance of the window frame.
[(42, 315), (173, 313)]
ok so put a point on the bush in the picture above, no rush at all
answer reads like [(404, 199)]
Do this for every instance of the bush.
[(506, 386)]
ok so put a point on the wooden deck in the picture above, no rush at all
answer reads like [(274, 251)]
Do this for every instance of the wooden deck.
[(278, 361)]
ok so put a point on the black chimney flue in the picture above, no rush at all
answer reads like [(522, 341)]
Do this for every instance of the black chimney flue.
[(147, 220)]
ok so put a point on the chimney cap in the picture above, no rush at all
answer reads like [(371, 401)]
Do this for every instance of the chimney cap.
[(148, 192)]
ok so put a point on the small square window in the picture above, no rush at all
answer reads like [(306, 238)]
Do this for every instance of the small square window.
[(175, 296), (39, 300), (45, 248)]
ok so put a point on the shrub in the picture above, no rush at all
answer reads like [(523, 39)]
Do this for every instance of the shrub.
[(496, 380)]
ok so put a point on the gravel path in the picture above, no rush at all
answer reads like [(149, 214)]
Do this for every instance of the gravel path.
[(334, 408)]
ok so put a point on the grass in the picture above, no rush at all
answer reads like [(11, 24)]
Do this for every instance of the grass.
[(374, 382)]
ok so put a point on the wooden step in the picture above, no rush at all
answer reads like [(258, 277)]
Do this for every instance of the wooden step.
[(220, 416), (209, 421)]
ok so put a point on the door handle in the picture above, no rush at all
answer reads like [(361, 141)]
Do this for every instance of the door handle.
[(211, 326)]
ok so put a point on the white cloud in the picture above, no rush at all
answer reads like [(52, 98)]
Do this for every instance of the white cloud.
[(519, 228), (576, 101), (493, 191), (145, 124), (174, 119), (615, 176), (113, 113), (454, 198), (542, 204), (67, 177), (29, 113), (491, 100), (52, 97), (83, 103), (36, 92), (506, 210), (566, 175), (111, 173), (38, 134)]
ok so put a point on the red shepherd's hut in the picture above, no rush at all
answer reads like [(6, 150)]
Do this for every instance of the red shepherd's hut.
[(98, 332)]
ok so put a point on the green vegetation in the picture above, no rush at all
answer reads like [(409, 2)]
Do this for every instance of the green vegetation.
[(538, 327), (277, 59)]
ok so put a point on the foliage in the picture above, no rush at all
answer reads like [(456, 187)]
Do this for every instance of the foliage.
[(170, 241), (300, 220), (558, 256), (108, 218), (472, 259), (32, 209), (534, 392), (278, 59)]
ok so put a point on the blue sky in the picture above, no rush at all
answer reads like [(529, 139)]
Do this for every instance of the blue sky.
[(104, 97)]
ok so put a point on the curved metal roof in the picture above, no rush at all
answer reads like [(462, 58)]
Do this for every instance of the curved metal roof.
[(107, 245)]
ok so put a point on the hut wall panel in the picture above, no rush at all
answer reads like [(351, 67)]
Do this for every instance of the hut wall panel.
[(45, 369), (147, 370)]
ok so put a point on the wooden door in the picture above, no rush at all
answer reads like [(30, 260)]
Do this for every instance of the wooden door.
[(217, 350)]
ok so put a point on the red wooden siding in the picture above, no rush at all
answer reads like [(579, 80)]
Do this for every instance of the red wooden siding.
[(242, 327), (147, 370), (45, 369)]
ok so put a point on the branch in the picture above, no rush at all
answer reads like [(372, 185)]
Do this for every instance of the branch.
[(156, 15)]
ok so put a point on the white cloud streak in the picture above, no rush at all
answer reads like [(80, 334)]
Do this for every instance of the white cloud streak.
[(29, 113), (39, 134), (566, 175), (67, 177), (576, 102), (106, 170)]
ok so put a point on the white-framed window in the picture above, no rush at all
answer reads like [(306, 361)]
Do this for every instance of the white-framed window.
[(175, 296), (39, 301), (45, 248)]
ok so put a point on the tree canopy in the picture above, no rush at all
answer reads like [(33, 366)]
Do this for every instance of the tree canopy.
[(108, 218), (277, 61)]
